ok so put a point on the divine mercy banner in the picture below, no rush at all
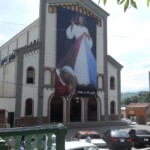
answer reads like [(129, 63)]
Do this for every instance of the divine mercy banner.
[(76, 54)]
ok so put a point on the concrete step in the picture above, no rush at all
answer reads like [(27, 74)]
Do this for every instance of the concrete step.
[(72, 125)]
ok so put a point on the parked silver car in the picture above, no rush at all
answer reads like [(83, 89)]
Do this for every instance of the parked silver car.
[(128, 121)]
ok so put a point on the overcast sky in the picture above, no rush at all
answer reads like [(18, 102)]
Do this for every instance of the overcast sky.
[(128, 36)]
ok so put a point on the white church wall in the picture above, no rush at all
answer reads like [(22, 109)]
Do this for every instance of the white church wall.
[(12, 46), (1, 81), (47, 94), (8, 104), (4, 52), (22, 40), (50, 40), (112, 94), (47, 77), (9, 72), (8, 80), (100, 50), (33, 33), (30, 90)]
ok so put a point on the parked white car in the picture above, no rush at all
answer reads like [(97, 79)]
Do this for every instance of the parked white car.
[(134, 123), (78, 145), (128, 121), (90, 137), (148, 124)]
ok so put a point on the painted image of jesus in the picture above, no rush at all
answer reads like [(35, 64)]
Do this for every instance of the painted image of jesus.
[(84, 61), (79, 54)]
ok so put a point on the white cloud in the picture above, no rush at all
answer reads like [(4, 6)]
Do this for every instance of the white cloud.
[(30, 10), (34, 6), (34, 3), (3, 37), (128, 43), (15, 14)]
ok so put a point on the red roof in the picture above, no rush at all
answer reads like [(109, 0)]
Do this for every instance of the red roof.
[(138, 105)]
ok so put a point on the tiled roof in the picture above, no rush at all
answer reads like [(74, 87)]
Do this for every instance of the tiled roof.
[(138, 105)]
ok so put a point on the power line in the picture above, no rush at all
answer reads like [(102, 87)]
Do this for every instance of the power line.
[(32, 86), (13, 23), (64, 30), (129, 37)]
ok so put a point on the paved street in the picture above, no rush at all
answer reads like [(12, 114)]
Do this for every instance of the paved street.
[(148, 148), (70, 132), (133, 149)]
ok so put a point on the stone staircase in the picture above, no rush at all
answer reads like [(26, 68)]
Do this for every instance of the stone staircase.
[(74, 125)]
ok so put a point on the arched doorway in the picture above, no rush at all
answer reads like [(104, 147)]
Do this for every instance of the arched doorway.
[(29, 107), (92, 109), (56, 111), (112, 108), (75, 110)]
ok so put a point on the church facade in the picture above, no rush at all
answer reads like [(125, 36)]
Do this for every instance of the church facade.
[(57, 69)]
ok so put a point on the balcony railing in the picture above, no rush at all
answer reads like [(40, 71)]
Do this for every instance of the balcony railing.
[(35, 138)]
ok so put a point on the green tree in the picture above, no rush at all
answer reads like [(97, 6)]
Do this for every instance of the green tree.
[(126, 3), (144, 98), (127, 101), (134, 99)]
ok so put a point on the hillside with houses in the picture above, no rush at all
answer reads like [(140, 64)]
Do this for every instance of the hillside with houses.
[(139, 97)]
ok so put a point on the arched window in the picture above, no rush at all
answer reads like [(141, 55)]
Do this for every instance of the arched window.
[(112, 108), (47, 78), (30, 75), (100, 82), (112, 83), (29, 107)]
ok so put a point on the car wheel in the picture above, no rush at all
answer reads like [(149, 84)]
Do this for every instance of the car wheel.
[(129, 148)]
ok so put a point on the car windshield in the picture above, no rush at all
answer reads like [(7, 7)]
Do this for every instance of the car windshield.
[(120, 134), (142, 132), (84, 136), (94, 136)]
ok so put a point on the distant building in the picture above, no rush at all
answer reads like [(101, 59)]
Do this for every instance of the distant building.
[(69, 34), (123, 112), (139, 112)]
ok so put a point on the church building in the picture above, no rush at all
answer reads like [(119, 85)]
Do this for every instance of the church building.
[(57, 69)]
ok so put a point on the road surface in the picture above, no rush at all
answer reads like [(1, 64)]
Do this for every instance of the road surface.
[(70, 132)]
